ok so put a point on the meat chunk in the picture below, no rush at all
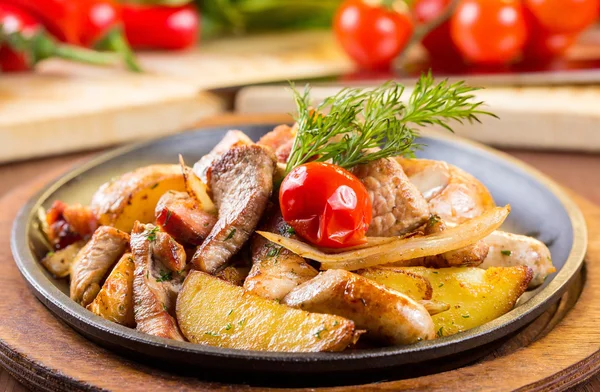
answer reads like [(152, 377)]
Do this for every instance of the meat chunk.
[(65, 224), (275, 270), (387, 315), (398, 207), (452, 194), (156, 282), (241, 183), (280, 140), (59, 263), (230, 140), (179, 215), (508, 249), (94, 261)]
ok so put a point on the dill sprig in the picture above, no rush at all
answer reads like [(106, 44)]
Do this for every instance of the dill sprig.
[(357, 126)]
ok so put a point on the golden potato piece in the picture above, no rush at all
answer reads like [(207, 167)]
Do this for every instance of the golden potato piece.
[(214, 312), (475, 295), (115, 301), (195, 188), (134, 195), (59, 263), (405, 282)]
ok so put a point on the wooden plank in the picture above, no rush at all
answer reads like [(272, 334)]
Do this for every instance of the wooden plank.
[(555, 118)]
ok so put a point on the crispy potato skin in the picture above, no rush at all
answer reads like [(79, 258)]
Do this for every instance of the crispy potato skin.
[(134, 195), (387, 315), (114, 302), (475, 295), (214, 312), (59, 263)]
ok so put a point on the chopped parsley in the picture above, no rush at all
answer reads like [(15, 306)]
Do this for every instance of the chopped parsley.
[(441, 284), (241, 322), (335, 323), (151, 234), (230, 235), (435, 272), (506, 252), (164, 276), (465, 316), (229, 313), (318, 333), (169, 213), (165, 307), (154, 186), (274, 251), (440, 332), (211, 333), (228, 327), (50, 254), (433, 219)]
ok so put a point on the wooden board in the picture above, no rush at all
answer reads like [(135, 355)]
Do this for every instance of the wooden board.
[(67, 107), (558, 118), (558, 350)]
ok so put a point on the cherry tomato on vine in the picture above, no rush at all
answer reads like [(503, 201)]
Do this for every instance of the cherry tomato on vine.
[(489, 31), (438, 42), (564, 16), (373, 33), (326, 205)]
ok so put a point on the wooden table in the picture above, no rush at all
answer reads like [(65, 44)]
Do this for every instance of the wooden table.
[(580, 172)]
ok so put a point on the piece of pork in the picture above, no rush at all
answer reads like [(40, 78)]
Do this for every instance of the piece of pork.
[(94, 261), (241, 183), (452, 194), (398, 207), (280, 140), (179, 215), (157, 282), (231, 139), (388, 316), (508, 249), (275, 270)]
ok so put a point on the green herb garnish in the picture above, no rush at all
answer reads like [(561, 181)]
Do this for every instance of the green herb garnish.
[(211, 333), (230, 235), (465, 316), (357, 126), (506, 252), (151, 234), (228, 327), (164, 276), (433, 219), (274, 251), (440, 332), (440, 285)]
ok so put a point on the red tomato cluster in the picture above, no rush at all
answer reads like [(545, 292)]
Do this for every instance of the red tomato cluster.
[(373, 33)]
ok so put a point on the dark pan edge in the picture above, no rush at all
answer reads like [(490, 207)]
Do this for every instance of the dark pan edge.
[(100, 329)]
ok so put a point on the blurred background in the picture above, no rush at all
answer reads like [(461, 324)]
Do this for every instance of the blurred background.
[(80, 75)]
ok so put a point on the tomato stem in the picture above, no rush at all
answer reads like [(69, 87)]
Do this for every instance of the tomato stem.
[(114, 40)]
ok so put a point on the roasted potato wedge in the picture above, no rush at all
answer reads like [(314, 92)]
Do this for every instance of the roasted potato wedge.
[(405, 282), (475, 295), (134, 195), (114, 302), (59, 263), (214, 312)]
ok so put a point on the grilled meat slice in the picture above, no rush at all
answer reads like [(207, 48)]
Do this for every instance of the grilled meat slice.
[(238, 269), (59, 263), (452, 194), (94, 261), (275, 270), (398, 207), (179, 215), (241, 184), (230, 140), (156, 284), (508, 249), (387, 315), (280, 140)]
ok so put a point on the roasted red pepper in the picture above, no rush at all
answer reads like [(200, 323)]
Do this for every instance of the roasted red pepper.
[(91, 23), (161, 27), (24, 42), (67, 224)]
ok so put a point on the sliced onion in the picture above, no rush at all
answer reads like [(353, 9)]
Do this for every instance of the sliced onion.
[(400, 249), (196, 188)]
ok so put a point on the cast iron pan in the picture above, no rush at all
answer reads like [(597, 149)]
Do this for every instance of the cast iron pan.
[(539, 207)]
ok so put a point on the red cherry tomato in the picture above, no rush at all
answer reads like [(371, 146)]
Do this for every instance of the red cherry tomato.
[(438, 42), (564, 16), (543, 45), (326, 205), (489, 31), (372, 35)]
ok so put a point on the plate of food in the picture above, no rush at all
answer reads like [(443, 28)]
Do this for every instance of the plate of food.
[(352, 240)]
